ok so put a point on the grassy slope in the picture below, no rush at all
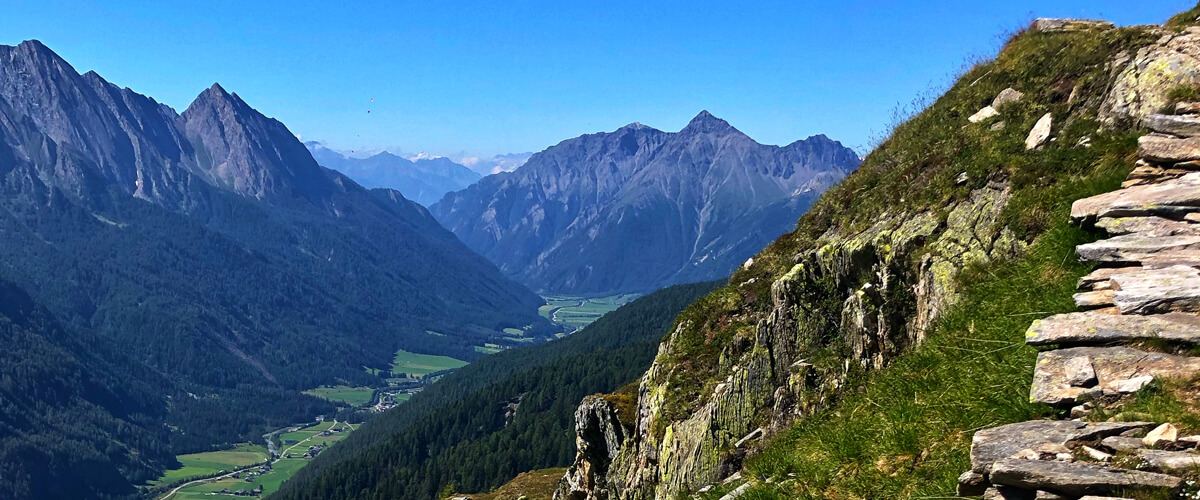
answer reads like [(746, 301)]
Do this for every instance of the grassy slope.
[(906, 431), (916, 169)]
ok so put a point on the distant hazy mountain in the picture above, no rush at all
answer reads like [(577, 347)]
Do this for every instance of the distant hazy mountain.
[(496, 164), (638, 208), (208, 264), (424, 180)]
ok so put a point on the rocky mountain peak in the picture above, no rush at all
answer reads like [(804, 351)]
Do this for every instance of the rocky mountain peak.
[(706, 123)]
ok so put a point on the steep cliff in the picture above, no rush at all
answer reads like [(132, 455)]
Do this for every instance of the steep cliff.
[(969, 183)]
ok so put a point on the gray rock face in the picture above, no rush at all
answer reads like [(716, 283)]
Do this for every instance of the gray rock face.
[(1056, 377), (1097, 328), (1077, 479), (1179, 125), (1145, 79), (991, 445), (1172, 197), (1174, 288), (599, 435), (637, 208)]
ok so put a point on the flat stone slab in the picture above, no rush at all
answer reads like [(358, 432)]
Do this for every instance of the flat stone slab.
[(1180, 125), (991, 445), (1148, 226), (1149, 291), (1170, 461), (1096, 328), (1093, 300), (1057, 378), (1142, 247), (1077, 479), (1171, 197), (1168, 149)]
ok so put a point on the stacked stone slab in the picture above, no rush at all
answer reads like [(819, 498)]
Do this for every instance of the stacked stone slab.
[(1144, 291)]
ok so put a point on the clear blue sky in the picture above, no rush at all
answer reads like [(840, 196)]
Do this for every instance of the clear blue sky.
[(487, 77)]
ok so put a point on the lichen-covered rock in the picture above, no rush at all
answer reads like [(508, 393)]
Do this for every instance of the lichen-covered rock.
[(1145, 79), (889, 294), (1149, 291), (598, 438), (1168, 149)]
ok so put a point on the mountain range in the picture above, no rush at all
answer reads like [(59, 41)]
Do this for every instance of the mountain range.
[(424, 179), (205, 266), (637, 209)]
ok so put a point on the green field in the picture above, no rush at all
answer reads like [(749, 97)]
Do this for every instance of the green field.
[(212, 462), (419, 365), (577, 312), (282, 469), (353, 396)]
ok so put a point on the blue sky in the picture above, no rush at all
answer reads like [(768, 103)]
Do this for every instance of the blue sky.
[(486, 77)]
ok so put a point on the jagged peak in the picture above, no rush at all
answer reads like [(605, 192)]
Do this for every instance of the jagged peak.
[(706, 123)]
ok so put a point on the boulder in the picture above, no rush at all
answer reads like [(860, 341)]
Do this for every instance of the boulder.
[(1006, 96), (1172, 197), (1178, 125), (1165, 433), (1077, 479), (1040, 132), (1174, 288), (1149, 226), (1092, 328), (1145, 78), (1118, 370), (996, 443), (1168, 149), (983, 114), (1142, 247)]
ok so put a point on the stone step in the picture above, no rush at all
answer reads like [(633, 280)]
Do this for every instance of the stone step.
[(1142, 247), (1065, 377), (997, 443), (1076, 479), (1102, 275), (1187, 108), (1173, 198), (1093, 328), (1149, 291), (1179, 125), (1149, 226), (1162, 148)]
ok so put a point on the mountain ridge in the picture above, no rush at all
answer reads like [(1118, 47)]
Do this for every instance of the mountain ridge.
[(607, 193)]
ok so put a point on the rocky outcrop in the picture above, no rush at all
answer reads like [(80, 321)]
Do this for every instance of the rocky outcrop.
[(599, 435), (893, 278), (1144, 79)]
